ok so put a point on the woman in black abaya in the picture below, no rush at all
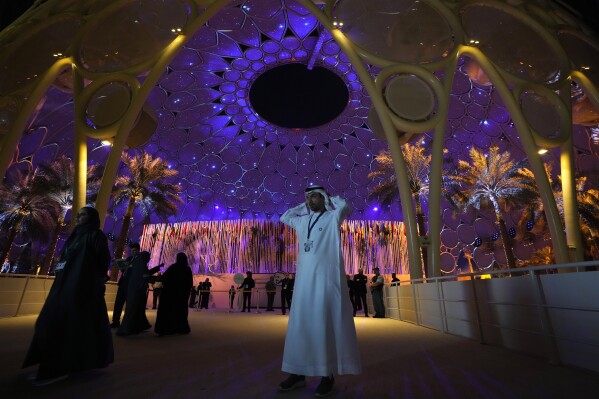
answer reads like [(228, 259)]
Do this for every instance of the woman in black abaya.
[(171, 317), (135, 320), (72, 332)]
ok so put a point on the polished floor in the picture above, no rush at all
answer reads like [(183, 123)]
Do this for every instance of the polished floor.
[(238, 355)]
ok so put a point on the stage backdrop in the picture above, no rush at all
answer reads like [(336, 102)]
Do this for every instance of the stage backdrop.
[(263, 246)]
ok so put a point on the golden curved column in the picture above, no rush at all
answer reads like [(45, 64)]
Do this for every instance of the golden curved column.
[(390, 132), (126, 123), (530, 147), (119, 132), (11, 141)]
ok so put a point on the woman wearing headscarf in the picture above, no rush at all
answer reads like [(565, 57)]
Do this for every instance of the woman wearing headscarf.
[(135, 320), (177, 281), (72, 332)]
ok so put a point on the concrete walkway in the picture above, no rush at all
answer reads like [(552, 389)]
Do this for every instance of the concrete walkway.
[(238, 355)]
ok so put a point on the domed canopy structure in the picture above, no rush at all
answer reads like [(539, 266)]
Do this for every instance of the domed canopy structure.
[(188, 81)]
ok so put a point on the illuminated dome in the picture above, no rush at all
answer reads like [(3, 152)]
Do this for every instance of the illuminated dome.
[(179, 76)]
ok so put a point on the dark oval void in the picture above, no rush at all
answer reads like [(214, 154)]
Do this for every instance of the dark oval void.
[(292, 96)]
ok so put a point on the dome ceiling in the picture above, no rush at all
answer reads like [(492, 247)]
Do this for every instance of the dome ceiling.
[(234, 163)]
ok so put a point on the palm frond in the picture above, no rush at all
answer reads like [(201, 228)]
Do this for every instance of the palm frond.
[(146, 181)]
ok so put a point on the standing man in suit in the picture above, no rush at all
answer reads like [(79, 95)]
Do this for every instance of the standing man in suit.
[(360, 281), (247, 286), (271, 290), (205, 295)]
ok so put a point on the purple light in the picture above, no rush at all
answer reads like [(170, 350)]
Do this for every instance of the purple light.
[(376, 209)]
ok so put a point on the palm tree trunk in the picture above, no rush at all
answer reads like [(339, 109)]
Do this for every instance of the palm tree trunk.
[(428, 269), (120, 244), (11, 238), (49, 257), (507, 245)]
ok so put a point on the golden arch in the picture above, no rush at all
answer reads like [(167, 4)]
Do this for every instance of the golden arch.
[(567, 246)]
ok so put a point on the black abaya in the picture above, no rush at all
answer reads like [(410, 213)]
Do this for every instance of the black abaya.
[(72, 332), (135, 320), (171, 317)]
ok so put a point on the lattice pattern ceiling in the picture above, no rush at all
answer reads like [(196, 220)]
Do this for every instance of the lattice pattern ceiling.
[(234, 164)]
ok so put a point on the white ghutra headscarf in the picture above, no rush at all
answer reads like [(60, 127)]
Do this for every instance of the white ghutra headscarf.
[(319, 189)]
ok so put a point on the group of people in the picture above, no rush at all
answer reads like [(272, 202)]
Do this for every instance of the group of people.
[(203, 290), (358, 288), (171, 287), (286, 293), (249, 284), (72, 332)]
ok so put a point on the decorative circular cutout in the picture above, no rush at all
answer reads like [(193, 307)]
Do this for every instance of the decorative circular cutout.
[(131, 34), (396, 31), (583, 52), (546, 114), (40, 46), (494, 27), (410, 97), (108, 104)]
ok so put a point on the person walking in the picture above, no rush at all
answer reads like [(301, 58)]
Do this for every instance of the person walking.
[(177, 280), (135, 320), (123, 283), (72, 331)]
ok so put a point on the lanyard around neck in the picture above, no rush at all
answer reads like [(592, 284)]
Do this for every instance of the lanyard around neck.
[(310, 227)]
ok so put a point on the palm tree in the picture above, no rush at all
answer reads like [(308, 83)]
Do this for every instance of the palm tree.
[(418, 167), (24, 209), (588, 209), (543, 256), (145, 187), (491, 181), (56, 181)]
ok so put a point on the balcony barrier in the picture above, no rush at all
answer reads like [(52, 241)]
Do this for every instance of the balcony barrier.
[(535, 310)]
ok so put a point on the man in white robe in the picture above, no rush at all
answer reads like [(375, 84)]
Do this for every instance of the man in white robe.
[(321, 336)]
